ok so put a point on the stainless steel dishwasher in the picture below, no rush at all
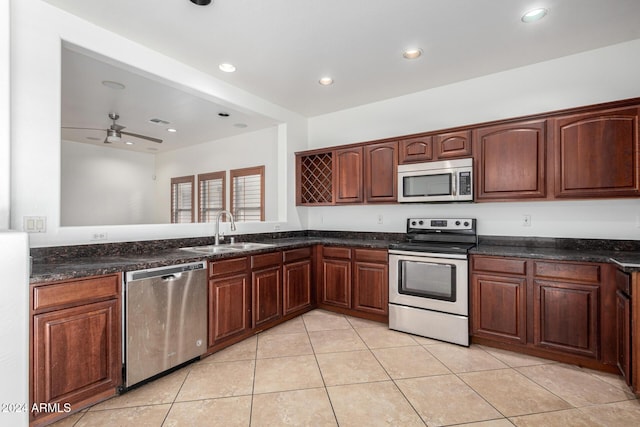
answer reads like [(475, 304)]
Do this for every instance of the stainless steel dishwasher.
[(165, 319)]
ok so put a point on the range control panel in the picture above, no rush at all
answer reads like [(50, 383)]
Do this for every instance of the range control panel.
[(434, 224)]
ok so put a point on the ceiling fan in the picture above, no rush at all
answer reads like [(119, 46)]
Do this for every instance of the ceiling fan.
[(114, 132)]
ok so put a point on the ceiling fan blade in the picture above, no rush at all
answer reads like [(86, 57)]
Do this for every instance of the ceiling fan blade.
[(142, 136), (71, 127)]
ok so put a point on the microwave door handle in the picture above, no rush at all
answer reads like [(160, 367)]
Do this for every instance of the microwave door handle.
[(454, 183)]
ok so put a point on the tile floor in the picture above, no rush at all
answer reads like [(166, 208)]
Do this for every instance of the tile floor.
[(325, 369)]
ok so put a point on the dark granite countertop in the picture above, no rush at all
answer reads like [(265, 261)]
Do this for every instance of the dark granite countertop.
[(49, 270), (53, 264)]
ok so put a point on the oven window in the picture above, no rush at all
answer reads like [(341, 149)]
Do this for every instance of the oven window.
[(427, 185), (427, 280)]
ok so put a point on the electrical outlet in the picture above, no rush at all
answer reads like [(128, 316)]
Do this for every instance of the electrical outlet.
[(526, 220), (380, 219), (276, 227), (99, 236)]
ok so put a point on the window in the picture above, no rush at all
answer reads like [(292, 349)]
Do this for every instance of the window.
[(247, 194), (211, 195), (182, 199)]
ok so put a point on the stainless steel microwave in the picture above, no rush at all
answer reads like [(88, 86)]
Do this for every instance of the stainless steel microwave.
[(440, 181)]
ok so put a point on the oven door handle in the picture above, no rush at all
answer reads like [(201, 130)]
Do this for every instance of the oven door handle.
[(454, 183)]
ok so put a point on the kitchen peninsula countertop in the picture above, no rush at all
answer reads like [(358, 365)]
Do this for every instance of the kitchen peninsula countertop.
[(78, 263), (65, 268)]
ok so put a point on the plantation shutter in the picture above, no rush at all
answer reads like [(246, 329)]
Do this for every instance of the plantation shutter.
[(247, 194), (211, 195), (182, 199)]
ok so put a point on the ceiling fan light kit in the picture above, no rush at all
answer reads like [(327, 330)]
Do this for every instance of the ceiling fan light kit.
[(112, 136)]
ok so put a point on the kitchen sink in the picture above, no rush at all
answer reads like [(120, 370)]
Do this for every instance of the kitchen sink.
[(226, 248)]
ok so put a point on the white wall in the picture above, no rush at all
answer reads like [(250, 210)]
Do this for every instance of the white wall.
[(106, 186), (38, 30), (247, 150), (592, 77), (5, 117)]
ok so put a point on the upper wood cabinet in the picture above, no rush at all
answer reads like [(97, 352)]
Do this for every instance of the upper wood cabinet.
[(381, 172), (596, 154), (348, 175), (452, 145), (413, 150), (510, 161)]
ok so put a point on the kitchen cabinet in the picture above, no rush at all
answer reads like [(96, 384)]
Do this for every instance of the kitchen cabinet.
[(266, 278), (561, 310), (623, 324), (75, 343), (381, 172), (370, 281), (499, 296), (452, 145), (229, 300), (415, 150), (510, 162), (314, 178), (297, 285), (355, 281), (596, 154), (349, 175), (336, 276)]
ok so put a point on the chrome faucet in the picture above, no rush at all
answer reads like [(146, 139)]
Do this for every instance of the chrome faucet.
[(233, 225)]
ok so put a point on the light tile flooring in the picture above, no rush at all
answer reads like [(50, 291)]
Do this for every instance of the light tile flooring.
[(325, 369)]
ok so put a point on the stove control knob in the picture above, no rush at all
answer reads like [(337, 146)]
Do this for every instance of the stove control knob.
[(466, 223), (413, 223), (458, 223), (421, 222)]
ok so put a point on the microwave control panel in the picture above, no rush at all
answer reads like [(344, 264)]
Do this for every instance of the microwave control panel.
[(464, 178)]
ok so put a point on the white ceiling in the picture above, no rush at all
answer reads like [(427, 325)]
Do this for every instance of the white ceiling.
[(282, 47)]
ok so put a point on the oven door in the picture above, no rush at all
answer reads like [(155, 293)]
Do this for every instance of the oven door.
[(429, 281)]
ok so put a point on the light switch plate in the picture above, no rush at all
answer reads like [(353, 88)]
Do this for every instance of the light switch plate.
[(34, 224)]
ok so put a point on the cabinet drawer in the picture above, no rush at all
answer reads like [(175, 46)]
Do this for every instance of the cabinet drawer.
[(371, 255), (336, 252), (589, 273), (266, 260), (228, 266), (296, 254), (499, 265), (48, 297)]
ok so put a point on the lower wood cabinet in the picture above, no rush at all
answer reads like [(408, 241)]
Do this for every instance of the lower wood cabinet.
[(76, 344), (297, 292), (266, 279), (229, 300), (355, 281), (623, 325), (561, 310)]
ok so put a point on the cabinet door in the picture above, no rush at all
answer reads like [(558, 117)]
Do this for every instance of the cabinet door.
[(348, 175), (566, 317), (381, 172), (267, 295), (371, 288), (228, 307), (510, 161), (596, 154), (498, 307), (623, 325), (452, 145), (414, 150), (336, 282), (76, 353), (297, 286)]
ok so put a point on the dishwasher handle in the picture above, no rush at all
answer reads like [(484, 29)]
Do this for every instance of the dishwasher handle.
[(168, 273)]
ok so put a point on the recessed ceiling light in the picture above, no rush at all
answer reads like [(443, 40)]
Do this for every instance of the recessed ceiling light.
[(412, 53), (172, 130), (240, 125), (113, 85), (223, 114), (227, 68), (326, 81), (128, 143), (201, 2), (534, 15)]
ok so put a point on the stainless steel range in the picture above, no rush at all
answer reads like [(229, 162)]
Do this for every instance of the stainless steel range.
[(428, 279)]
